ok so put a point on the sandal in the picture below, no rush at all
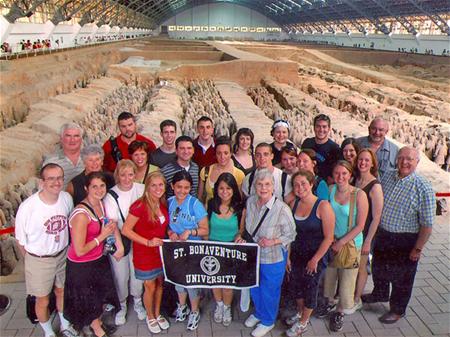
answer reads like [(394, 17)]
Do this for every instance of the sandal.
[(93, 332), (152, 325)]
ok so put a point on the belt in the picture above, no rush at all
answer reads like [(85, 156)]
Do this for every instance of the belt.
[(47, 256)]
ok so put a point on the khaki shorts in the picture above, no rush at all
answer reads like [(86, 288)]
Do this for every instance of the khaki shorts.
[(42, 273)]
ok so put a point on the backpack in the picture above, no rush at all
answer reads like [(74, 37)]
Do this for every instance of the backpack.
[(125, 241)]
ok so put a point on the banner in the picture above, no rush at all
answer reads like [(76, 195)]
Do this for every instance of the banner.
[(210, 264)]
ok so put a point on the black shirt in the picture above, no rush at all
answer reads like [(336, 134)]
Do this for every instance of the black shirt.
[(327, 155)]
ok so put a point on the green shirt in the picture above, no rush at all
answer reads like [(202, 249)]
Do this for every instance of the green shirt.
[(223, 229)]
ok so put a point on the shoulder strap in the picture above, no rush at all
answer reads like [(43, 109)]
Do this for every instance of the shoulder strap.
[(92, 211), (250, 181), (115, 151), (116, 198), (206, 173), (283, 183), (192, 201), (146, 173), (297, 200), (353, 195), (261, 220)]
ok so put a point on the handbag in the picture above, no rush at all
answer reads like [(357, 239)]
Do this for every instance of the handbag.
[(249, 237), (31, 307), (348, 256)]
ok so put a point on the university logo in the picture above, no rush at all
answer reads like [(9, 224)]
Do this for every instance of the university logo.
[(210, 265)]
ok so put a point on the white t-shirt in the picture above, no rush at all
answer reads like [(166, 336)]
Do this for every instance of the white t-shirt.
[(277, 188), (125, 200), (41, 228)]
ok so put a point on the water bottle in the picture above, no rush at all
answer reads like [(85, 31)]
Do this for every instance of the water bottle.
[(109, 247)]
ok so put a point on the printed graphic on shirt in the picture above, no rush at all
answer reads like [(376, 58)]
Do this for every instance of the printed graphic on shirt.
[(55, 225)]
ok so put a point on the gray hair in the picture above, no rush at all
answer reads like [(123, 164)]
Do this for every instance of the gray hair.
[(263, 174), (70, 126), (93, 149)]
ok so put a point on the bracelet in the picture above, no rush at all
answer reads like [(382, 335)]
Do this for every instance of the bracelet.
[(97, 242)]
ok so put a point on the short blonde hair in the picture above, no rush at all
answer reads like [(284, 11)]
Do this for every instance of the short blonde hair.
[(121, 165)]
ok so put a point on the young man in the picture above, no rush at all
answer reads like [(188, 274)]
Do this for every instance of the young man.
[(327, 151), (117, 148), (204, 147), (42, 235), (166, 152)]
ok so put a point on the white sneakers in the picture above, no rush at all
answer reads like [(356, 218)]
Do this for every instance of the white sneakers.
[(352, 310), (297, 329), (218, 312), (140, 310), (227, 318), (251, 321), (262, 330), (121, 316)]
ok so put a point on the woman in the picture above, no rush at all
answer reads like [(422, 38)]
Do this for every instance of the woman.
[(209, 174), (366, 178), (92, 157), (188, 221), (307, 161), (243, 151), (350, 149), (138, 152), (270, 223), (289, 159), (89, 281), (146, 226), (280, 134), (117, 202), (226, 219), (350, 207), (314, 220)]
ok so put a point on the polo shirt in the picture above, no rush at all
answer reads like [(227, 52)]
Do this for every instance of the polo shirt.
[(70, 170), (204, 158)]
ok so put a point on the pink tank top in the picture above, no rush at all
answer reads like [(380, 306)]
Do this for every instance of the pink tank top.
[(93, 230)]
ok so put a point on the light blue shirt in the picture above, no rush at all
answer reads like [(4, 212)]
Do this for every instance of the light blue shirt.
[(386, 154), (185, 216)]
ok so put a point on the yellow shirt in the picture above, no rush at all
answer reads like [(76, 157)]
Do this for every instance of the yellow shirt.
[(209, 185)]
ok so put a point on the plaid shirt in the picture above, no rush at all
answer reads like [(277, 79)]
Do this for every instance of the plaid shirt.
[(409, 203)]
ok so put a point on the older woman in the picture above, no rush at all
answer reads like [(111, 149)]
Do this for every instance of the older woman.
[(269, 222), (307, 161), (92, 156), (280, 134), (117, 203), (138, 152), (243, 157)]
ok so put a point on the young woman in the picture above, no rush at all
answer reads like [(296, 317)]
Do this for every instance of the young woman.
[(307, 161), (342, 195), (188, 221), (243, 151), (308, 258), (280, 134), (289, 160), (226, 220), (350, 149), (89, 282), (209, 175), (146, 226), (138, 152), (366, 178)]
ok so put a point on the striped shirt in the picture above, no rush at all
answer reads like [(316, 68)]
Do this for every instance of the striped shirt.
[(409, 203), (70, 170), (169, 171)]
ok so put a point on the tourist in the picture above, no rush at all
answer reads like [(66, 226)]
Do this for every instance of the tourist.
[(209, 174), (146, 226), (243, 157), (350, 208), (327, 151), (42, 236), (138, 152), (92, 156), (117, 148), (188, 221), (282, 181), (280, 134), (184, 150), (269, 223), (204, 147), (307, 161), (117, 203), (350, 149), (385, 150), (289, 160), (68, 157), (308, 255), (166, 152), (88, 269), (226, 218), (405, 227)]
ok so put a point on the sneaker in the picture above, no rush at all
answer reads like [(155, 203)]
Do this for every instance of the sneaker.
[(337, 321), (352, 310), (120, 318), (163, 323), (181, 313), (140, 310), (227, 318), (194, 318), (70, 332), (262, 330), (152, 325), (293, 319), (324, 310), (297, 329), (218, 312), (251, 321)]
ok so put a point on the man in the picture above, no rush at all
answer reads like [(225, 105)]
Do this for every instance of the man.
[(385, 150), (117, 148), (327, 151), (205, 149), (405, 226), (282, 181), (42, 234), (68, 157), (184, 150), (166, 152)]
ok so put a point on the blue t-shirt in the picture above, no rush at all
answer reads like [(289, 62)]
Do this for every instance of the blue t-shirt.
[(185, 216)]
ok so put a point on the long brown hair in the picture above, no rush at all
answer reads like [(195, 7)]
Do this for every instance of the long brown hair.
[(152, 206)]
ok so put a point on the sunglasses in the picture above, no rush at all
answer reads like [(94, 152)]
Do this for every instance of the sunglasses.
[(175, 214)]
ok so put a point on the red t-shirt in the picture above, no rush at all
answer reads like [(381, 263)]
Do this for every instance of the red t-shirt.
[(147, 258), (109, 164), (204, 159)]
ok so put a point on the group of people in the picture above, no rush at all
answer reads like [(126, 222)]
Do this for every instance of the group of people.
[(316, 212)]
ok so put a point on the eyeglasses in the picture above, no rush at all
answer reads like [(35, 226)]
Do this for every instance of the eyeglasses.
[(175, 214), (53, 179)]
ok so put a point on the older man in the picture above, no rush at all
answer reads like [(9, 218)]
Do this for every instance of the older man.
[(68, 157), (406, 222), (385, 150)]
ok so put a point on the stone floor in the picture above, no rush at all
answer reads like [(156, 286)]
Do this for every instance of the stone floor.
[(428, 313)]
